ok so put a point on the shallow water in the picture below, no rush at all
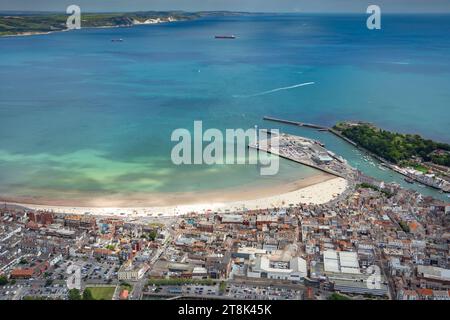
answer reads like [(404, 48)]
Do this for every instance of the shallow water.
[(82, 114)]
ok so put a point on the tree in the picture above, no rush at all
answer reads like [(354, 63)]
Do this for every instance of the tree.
[(87, 295), (392, 146), (152, 235), (222, 287), (3, 280), (404, 226), (74, 294)]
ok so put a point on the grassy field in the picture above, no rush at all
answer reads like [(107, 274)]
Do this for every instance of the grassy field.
[(102, 293)]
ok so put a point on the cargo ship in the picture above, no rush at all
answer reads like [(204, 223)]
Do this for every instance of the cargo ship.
[(225, 37)]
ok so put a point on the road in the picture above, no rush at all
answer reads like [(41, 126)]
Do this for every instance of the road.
[(138, 286)]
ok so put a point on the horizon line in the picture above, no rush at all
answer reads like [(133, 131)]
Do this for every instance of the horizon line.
[(227, 11)]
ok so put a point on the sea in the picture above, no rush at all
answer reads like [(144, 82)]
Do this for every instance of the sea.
[(83, 115)]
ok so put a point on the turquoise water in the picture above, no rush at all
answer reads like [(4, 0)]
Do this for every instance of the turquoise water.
[(80, 114)]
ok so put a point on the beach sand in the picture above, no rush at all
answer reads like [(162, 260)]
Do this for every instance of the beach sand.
[(318, 189)]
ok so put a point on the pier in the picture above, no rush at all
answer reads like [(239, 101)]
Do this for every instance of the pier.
[(296, 123), (312, 126)]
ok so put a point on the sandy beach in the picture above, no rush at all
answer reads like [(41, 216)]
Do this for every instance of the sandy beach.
[(315, 190)]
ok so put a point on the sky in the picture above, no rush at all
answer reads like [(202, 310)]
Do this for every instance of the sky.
[(325, 6)]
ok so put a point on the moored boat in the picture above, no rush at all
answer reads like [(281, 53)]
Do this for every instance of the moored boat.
[(409, 180)]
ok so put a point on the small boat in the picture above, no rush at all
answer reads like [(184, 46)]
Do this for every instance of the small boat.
[(225, 37), (116, 40), (409, 180)]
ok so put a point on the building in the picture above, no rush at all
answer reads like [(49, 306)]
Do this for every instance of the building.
[(341, 268), (199, 273), (407, 295), (266, 220), (132, 271), (22, 273), (44, 218), (322, 158), (434, 274), (205, 227), (232, 218), (341, 262), (397, 268), (248, 253), (272, 267), (218, 266)]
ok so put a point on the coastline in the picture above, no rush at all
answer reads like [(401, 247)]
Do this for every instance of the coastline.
[(317, 189), (28, 34)]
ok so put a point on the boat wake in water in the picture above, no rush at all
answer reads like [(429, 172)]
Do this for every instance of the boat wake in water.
[(274, 90)]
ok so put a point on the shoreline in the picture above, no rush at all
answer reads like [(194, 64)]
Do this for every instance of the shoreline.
[(317, 189), (37, 33)]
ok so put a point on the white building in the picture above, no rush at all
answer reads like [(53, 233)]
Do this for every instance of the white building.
[(341, 262), (56, 259), (434, 273), (232, 218), (265, 266), (343, 270), (132, 271), (248, 253), (199, 273)]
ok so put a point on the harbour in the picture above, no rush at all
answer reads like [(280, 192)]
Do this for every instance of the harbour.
[(408, 174)]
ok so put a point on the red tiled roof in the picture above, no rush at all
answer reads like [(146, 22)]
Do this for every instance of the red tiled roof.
[(425, 292), (22, 272), (124, 294)]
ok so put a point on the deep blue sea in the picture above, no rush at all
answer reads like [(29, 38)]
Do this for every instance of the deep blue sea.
[(80, 114)]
